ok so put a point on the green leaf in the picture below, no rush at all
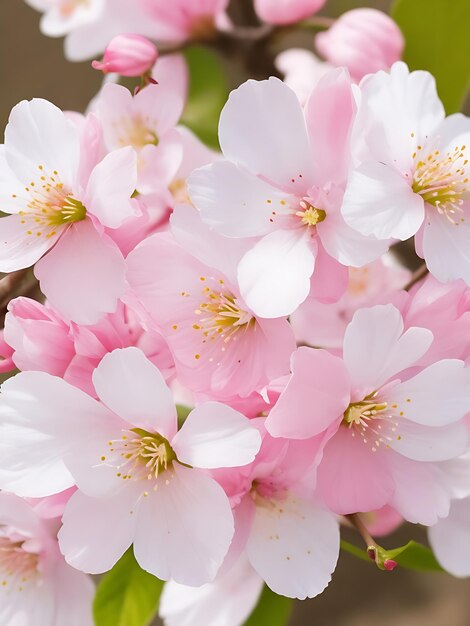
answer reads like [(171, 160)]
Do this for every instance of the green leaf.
[(272, 610), (412, 556), (415, 556), (208, 92), (437, 39), (183, 411), (126, 595)]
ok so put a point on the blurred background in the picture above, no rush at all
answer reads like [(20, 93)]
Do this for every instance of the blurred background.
[(32, 65)]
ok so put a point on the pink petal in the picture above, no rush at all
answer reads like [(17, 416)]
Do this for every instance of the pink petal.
[(83, 276), (316, 396)]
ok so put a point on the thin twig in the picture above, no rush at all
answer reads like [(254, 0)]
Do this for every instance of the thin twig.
[(418, 275)]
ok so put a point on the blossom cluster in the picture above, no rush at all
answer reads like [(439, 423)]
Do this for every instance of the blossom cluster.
[(230, 361)]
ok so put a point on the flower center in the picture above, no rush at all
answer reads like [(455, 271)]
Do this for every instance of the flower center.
[(309, 215), (137, 132), (139, 455), (220, 315), (442, 181), (67, 7), (17, 565), (368, 420), (51, 206)]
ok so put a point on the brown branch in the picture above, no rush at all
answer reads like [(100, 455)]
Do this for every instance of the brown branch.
[(418, 275)]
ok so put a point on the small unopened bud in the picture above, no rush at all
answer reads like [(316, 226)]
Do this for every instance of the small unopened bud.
[(363, 40), (390, 565), (286, 11), (128, 55)]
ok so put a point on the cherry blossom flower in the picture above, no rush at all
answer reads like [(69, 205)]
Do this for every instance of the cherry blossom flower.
[(219, 345), (36, 585), (134, 471), (412, 176), (302, 70), (61, 17), (59, 203), (290, 540), (392, 424), (41, 340), (145, 122), (289, 202)]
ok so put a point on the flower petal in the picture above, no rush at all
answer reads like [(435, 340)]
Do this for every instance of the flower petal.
[(294, 546), (379, 201), (436, 396), (450, 539), (215, 435), (184, 528), (376, 348), (274, 276), (83, 275), (262, 127), (316, 395), (133, 387)]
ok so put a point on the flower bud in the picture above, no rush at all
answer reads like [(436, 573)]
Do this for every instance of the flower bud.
[(128, 55), (364, 40), (286, 11)]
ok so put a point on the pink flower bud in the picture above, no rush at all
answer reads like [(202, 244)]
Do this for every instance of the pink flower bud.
[(286, 11), (128, 55), (363, 40)]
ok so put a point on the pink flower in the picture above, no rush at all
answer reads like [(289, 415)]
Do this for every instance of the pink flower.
[(391, 424), (128, 55), (364, 40), (59, 200), (146, 122), (41, 340), (290, 540), (281, 187), (412, 177), (219, 345), (37, 586), (135, 472), (286, 11), (323, 324)]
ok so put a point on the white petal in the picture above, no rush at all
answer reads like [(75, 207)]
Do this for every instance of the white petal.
[(425, 479), (184, 528), (234, 202), (262, 127), (38, 133), (215, 435), (379, 201), (450, 539), (18, 249), (294, 546), (43, 419), (421, 443), (398, 111), (111, 185), (376, 348), (74, 596), (133, 387), (446, 246), (274, 276), (438, 395), (228, 601), (97, 531)]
